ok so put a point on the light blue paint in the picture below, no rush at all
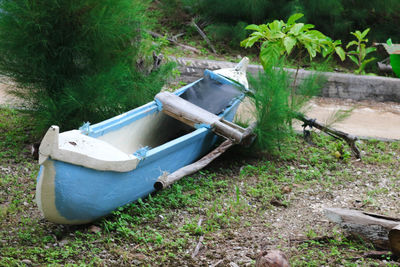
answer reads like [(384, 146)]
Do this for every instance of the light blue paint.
[(87, 194), (159, 104), (141, 152), (39, 174), (85, 128)]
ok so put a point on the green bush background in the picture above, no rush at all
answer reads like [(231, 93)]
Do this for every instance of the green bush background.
[(77, 60), (335, 18)]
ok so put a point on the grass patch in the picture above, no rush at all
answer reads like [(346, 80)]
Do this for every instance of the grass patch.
[(239, 204)]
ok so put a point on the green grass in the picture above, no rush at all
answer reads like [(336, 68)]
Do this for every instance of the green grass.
[(235, 204)]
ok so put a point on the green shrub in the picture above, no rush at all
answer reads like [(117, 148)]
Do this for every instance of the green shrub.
[(335, 18), (225, 33), (76, 61), (273, 107)]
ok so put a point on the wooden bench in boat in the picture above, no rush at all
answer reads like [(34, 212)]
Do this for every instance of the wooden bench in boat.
[(196, 117)]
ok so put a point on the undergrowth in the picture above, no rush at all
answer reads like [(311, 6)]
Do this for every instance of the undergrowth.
[(237, 204)]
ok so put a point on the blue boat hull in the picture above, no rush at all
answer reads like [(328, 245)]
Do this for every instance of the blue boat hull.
[(72, 194)]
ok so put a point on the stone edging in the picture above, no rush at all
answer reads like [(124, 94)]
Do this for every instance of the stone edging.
[(339, 85)]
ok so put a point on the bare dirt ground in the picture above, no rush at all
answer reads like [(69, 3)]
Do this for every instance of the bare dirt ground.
[(6, 99)]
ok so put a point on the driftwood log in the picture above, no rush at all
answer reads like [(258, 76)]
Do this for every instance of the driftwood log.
[(394, 240), (382, 231), (350, 139)]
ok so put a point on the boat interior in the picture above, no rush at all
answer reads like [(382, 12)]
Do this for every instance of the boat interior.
[(157, 128)]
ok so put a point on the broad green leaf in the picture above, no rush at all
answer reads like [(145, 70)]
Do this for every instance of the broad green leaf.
[(353, 58), (364, 33), (365, 62), (340, 52), (311, 50), (317, 34), (249, 42), (326, 51), (253, 27), (294, 17), (351, 43), (337, 42), (370, 50), (296, 29), (270, 54), (276, 25), (289, 43), (307, 27), (389, 42), (276, 35)]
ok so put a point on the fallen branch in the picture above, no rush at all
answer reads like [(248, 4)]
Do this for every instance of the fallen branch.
[(199, 244), (204, 37), (173, 40), (350, 139), (167, 179)]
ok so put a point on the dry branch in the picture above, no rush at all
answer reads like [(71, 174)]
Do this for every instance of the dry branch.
[(199, 244), (350, 139), (204, 37), (167, 180), (173, 40)]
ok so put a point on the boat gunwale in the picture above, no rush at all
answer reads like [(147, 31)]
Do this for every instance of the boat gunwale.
[(120, 121)]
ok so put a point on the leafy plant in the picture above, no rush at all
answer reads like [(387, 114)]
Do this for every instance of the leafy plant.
[(359, 55), (274, 109), (279, 38)]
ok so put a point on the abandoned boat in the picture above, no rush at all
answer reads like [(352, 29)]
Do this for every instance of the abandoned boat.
[(87, 173)]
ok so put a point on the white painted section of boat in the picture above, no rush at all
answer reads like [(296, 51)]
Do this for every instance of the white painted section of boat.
[(237, 73), (76, 148), (45, 190), (152, 130)]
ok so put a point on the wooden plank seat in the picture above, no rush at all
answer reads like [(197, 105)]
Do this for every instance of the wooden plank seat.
[(196, 117)]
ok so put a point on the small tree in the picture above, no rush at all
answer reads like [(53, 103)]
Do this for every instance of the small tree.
[(76, 60)]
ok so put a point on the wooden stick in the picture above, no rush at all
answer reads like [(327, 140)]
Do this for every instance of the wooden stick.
[(187, 47), (197, 249), (204, 36), (166, 180), (350, 139)]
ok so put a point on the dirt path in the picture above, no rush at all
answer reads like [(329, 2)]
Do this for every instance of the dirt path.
[(5, 98), (367, 120)]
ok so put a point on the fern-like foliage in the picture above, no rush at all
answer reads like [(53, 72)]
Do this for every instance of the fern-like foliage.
[(274, 110), (75, 61)]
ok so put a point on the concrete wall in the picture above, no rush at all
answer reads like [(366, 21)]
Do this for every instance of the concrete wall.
[(339, 85)]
